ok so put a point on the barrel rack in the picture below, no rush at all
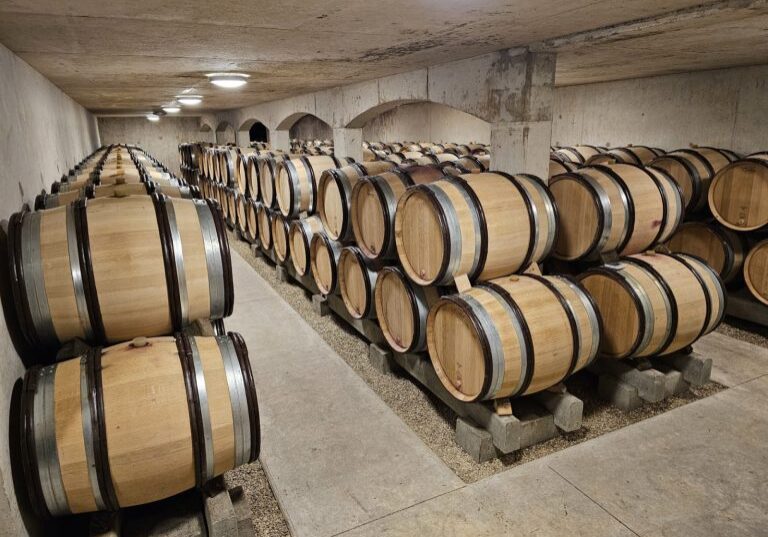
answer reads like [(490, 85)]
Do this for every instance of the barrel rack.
[(487, 430)]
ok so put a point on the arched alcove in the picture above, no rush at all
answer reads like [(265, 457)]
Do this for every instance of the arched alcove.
[(252, 130), (310, 127), (206, 133), (225, 133)]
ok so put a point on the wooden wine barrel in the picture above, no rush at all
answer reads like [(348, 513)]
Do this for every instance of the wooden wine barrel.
[(616, 207), (252, 177), (296, 182), (467, 164), (137, 422), (334, 194), (721, 248), (268, 169), (402, 308), (111, 269), (756, 271), (558, 167), (512, 336), (242, 216), (50, 201), (374, 201), (242, 169), (264, 218), (738, 195), (693, 169), (654, 304), (484, 225), (578, 154), (324, 260), (230, 205), (300, 233), (251, 218), (357, 280), (280, 237), (227, 165)]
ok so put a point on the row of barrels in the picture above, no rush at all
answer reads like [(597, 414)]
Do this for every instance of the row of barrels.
[(145, 411), (394, 244)]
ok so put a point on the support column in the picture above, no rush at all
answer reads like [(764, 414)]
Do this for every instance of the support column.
[(348, 143), (280, 139), (521, 138)]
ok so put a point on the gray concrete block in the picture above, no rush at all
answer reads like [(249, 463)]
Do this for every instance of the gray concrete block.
[(649, 383), (618, 393), (536, 423), (381, 359), (282, 274), (696, 369), (220, 514), (674, 383), (566, 409), (320, 305), (256, 249), (242, 512), (475, 441)]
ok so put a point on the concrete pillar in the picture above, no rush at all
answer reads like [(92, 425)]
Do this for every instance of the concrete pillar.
[(348, 143), (280, 139), (521, 137)]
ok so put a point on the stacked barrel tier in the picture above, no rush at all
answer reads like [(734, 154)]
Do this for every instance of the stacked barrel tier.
[(738, 196), (512, 336), (91, 191), (242, 162), (615, 207), (639, 155), (335, 196), (300, 233), (402, 308), (720, 248), (297, 180), (374, 203), (756, 271), (483, 225), (654, 304), (578, 154), (693, 169), (357, 281), (268, 168), (467, 164), (137, 422), (111, 269)]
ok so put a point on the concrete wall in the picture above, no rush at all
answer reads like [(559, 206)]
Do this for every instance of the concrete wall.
[(44, 133), (723, 108), (161, 138), (311, 128), (427, 122)]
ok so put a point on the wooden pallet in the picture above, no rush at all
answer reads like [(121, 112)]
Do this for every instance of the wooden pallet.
[(742, 305)]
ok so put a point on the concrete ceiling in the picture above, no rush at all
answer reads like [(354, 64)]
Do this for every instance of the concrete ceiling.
[(135, 56)]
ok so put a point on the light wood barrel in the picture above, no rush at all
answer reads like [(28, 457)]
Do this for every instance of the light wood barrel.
[(738, 196), (111, 269), (251, 219), (252, 177), (242, 165), (467, 164), (280, 239), (264, 218), (756, 271), (512, 336), (578, 154), (484, 225), (300, 235), (90, 191), (693, 169), (137, 422), (721, 248), (638, 155), (654, 304), (402, 308), (616, 207), (296, 182), (241, 203), (230, 197), (324, 260), (227, 165), (374, 201), (267, 167), (357, 280), (558, 167), (335, 196)]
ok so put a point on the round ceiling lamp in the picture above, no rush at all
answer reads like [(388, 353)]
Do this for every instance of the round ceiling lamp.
[(189, 100), (228, 80)]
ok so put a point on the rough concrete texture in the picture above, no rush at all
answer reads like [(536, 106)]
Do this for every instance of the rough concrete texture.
[(44, 133), (160, 138), (734, 361), (722, 108), (311, 128)]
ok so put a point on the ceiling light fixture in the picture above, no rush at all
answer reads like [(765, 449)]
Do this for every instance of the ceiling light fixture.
[(189, 100), (153, 117), (172, 108), (228, 80)]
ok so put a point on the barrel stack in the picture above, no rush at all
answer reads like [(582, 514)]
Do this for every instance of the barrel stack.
[(124, 258)]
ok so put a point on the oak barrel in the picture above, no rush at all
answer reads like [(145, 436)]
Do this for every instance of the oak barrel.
[(334, 194), (357, 280), (251, 218), (557, 167), (639, 155), (267, 167), (252, 177), (721, 248), (137, 422), (756, 271), (402, 308), (280, 237), (578, 154), (296, 182), (512, 336), (693, 169), (654, 304), (484, 225), (241, 203), (111, 269), (374, 201), (324, 260), (738, 195), (300, 235), (264, 219), (616, 207)]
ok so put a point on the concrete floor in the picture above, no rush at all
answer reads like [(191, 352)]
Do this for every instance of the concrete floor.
[(341, 462)]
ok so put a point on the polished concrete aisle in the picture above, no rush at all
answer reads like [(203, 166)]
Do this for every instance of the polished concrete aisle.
[(341, 462)]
